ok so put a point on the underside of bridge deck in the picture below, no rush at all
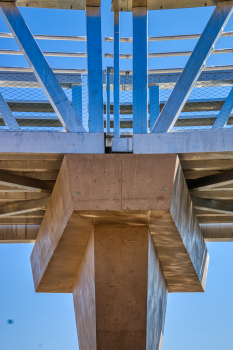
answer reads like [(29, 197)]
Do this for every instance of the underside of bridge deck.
[(27, 180)]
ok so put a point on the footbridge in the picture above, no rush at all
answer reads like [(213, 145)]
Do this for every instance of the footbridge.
[(119, 177)]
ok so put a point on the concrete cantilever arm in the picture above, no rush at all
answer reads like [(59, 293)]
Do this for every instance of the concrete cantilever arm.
[(194, 66), (41, 68)]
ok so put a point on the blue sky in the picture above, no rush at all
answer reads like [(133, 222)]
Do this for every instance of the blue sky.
[(46, 321)]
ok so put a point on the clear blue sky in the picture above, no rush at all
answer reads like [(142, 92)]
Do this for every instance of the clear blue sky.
[(46, 321)]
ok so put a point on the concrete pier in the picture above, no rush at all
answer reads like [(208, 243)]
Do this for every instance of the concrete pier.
[(119, 233)]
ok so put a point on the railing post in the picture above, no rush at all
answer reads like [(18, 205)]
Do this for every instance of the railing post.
[(154, 104), (140, 103), (116, 64), (108, 100), (77, 99), (94, 65)]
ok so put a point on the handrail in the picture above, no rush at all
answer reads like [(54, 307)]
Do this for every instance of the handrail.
[(166, 37), (49, 37), (122, 72), (46, 53), (168, 54)]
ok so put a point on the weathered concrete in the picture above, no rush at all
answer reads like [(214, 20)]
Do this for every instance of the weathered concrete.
[(127, 5), (217, 232), (59, 4), (18, 233), (120, 280), (135, 190)]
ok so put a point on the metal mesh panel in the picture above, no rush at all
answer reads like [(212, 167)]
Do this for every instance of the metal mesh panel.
[(205, 102), (126, 105), (30, 106)]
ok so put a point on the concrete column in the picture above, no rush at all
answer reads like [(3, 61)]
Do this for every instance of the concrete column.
[(119, 233), (94, 66), (120, 293), (140, 113)]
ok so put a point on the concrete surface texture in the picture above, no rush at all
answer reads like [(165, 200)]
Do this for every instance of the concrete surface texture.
[(119, 233)]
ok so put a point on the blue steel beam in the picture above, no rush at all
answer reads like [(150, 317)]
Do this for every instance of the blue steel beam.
[(140, 115), (116, 63), (40, 67), (7, 115), (194, 66), (94, 64), (225, 112), (108, 100), (77, 99), (154, 104)]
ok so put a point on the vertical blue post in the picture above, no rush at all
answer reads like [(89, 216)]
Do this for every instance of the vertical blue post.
[(116, 64), (94, 66), (140, 105), (154, 104), (77, 100), (108, 101)]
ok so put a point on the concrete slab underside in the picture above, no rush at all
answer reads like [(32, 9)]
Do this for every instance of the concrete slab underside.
[(119, 232)]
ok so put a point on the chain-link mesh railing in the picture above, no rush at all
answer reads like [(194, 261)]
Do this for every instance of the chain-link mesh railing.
[(30, 106)]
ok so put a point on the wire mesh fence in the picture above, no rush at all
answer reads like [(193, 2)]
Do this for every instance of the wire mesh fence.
[(209, 105), (31, 108)]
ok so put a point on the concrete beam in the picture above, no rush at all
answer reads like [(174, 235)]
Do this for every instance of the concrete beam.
[(212, 181), (193, 68), (127, 5), (41, 68), (214, 205), (18, 233), (217, 232), (59, 4), (24, 182), (23, 207)]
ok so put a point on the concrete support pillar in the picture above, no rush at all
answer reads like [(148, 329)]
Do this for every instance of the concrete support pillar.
[(119, 233), (120, 293), (116, 64), (94, 66), (140, 113), (154, 104)]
